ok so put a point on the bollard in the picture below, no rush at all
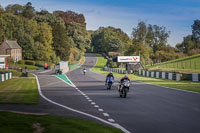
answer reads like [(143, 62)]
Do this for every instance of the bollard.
[(170, 76), (139, 72), (2, 77), (195, 77), (163, 75), (5, 76), (157, 74), (147, 73), (143, 72), (10, 75), (152, 74), (178, 77)]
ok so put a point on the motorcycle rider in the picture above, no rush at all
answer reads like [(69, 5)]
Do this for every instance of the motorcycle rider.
[(109, 75), (122, 80), (84, 70)]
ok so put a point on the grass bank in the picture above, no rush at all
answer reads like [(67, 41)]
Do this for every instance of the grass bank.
[(184, 85), (190, 64), (21, 123), (19, 91)]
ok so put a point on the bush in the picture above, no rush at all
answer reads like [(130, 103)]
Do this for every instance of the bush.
[(111, 64), (28, 62), (21, 62)]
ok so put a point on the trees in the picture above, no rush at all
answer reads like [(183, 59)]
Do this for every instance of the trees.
[(15, 9), (191, 43), (148, 40), (70, 16), (62, 43), (28, 11), (79, 35), (110, 39)]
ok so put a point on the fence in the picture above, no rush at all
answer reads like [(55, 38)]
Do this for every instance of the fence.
[(164, 75), (115, 70), (187, 64), (171, 75), (5, 76)]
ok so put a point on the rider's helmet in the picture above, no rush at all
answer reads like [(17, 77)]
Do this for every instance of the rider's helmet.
[(125, 76)]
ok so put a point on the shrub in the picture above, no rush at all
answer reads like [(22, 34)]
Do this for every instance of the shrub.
[(21, 62), (28, 62)]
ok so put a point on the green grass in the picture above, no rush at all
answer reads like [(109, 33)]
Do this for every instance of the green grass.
[(100, 64), (185, 71), (185, 65), (185, 85), (16, 73), (29, 67), (74, 66), (21, 123), (19, 91)]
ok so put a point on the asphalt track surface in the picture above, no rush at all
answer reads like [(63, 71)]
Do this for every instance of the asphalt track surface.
[(147, 108)]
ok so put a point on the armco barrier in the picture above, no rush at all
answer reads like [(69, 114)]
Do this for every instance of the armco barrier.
[(173, 76), (199, 77), (160, 74), (154, 74), (164, 75)]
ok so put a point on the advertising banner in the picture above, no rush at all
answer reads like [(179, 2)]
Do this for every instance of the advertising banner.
[(128, 59)]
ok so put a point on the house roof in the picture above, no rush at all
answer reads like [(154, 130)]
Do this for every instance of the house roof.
[(12, 44)]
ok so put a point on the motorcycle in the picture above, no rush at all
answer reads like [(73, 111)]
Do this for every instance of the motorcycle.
[(84, 71), (124, 88), (109, 83)]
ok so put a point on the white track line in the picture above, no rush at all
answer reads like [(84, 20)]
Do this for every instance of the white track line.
[(96, 106), (100, 109), (168, 87), (106, 114), (77, 111), (111, 120)]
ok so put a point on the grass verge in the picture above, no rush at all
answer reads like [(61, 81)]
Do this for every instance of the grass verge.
[(74, 66), (21, 123), (184, 85), (29, 67), (16, 73), (19, 91)]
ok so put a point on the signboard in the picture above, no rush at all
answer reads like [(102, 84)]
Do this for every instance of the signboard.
[(2, 59), (128, 59)]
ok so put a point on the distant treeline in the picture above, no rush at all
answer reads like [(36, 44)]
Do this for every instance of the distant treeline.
[(45, 36), (63, 36)]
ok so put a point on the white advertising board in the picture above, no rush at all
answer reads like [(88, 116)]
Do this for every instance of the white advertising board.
[(2, 59), (128, 59), (2, 66)]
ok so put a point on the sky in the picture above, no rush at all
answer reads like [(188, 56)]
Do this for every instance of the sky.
[(176, 15)]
